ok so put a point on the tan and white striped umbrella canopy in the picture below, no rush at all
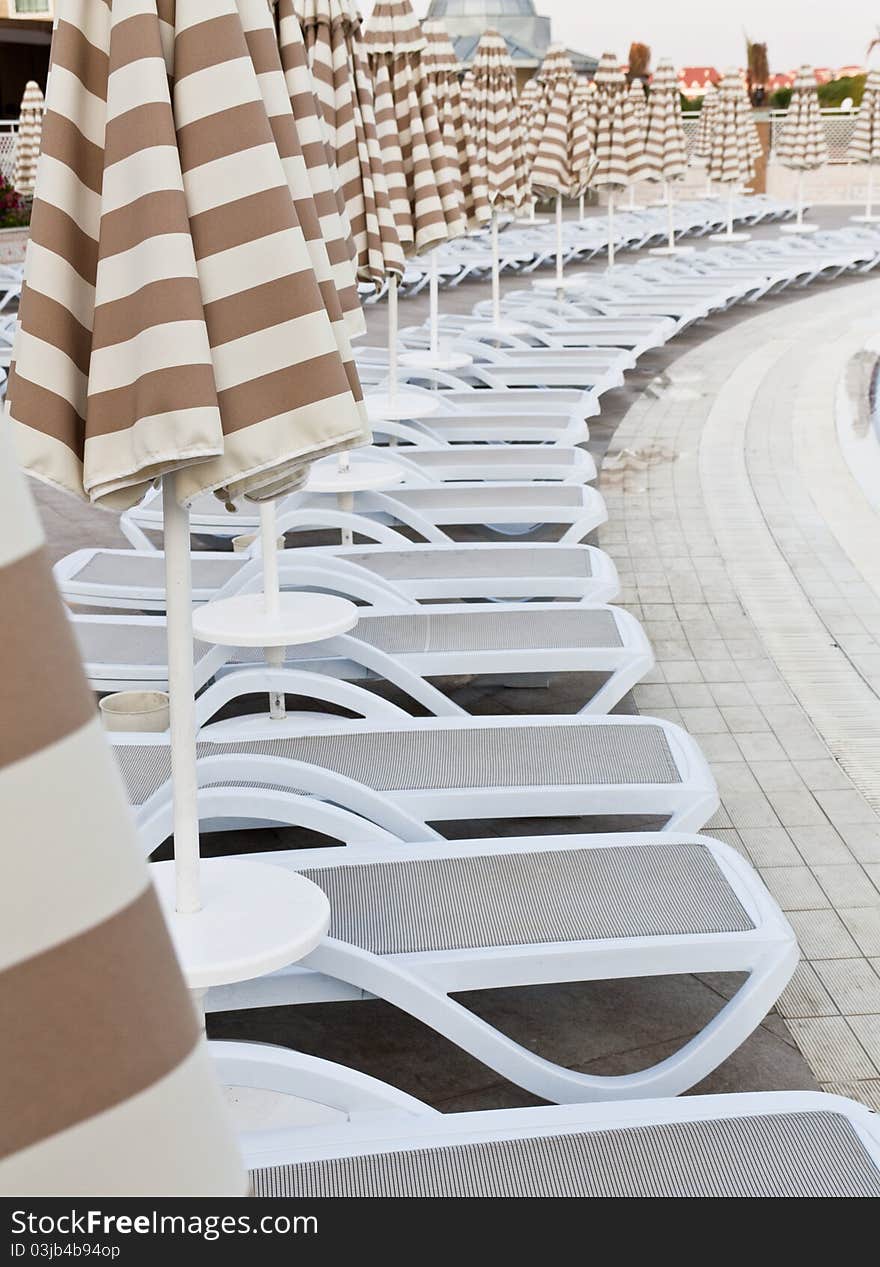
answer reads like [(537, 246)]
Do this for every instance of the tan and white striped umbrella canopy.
[(106, 1085), (27, 147), (441, 67), (665, 144), (325, 221), (493, 116), (802, 145), (865, 144), (706, 126), (563, 159), (747, 121), (337, 57), (172, 318), (732, 160), (617, 143), (638, 100), (422, 183)]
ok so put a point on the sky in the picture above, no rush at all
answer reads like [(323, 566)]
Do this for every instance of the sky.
[(700, 32)]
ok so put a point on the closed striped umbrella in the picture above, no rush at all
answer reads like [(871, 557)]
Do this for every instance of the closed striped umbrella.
[(178, 317), (665, 144), (747, 122), (563, 159), (638, 100), (732, 159), (706, 125), (337, 58), (493, 116), (441, 68), (865, 144), (616, 139), (423, 185), (802, 146), (494, 119), (324, 219), (171, 318), (30, 130), (106, 1084)]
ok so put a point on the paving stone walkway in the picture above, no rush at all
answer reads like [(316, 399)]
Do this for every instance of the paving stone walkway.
[(749, 551)]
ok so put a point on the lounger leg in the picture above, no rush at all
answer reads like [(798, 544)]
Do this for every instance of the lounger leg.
[(729, 1029)]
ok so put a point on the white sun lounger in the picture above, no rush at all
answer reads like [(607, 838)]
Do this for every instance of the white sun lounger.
[(414, 923), (398, 572), (405, 648), (638, 336), (771, 1144), (488, 509), (424, 463), (434, 769)]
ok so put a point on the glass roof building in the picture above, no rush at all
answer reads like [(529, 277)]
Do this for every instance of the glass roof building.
[(527, 34)]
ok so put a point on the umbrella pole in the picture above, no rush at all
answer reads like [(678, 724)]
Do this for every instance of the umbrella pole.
[(611, 230), (434, 296), (560, 283), (800, 198), (496, 279), (392, 339), (869, 193), (730, 210), (272, 596), (182, 698), (581, 206), (670, 214)]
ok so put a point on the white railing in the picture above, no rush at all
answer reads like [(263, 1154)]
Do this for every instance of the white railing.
[(839, 126), (8, 143)]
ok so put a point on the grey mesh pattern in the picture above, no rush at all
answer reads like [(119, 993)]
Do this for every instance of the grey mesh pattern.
[(489, 495), (496, 560), (508, 456), (488, 631), (110, 644), (149, 570), (470, 757), (520, 899), (779, 1155)]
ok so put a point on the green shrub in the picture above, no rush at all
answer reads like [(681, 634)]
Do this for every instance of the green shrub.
[(13, 212)]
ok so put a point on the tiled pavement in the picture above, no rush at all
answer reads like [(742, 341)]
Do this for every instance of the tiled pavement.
[(721, 482)]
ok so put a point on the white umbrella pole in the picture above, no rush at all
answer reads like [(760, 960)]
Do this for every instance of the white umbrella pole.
[(869, 193), (800, 197), (730, 210), (272, 596), (181, 691), (581, 207), (392, 339), (434, 298), (670, 214), (496, 278), (610, 230), (560, 283), (269, 547)]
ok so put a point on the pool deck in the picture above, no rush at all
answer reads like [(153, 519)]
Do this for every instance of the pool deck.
[(749, 551)]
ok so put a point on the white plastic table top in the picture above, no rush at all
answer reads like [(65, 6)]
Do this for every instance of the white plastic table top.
[(327, 476), (242, 621), (254, 919), (382, 408)]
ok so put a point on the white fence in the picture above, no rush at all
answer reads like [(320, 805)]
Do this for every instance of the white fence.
[(8, 143), (839, 126)]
